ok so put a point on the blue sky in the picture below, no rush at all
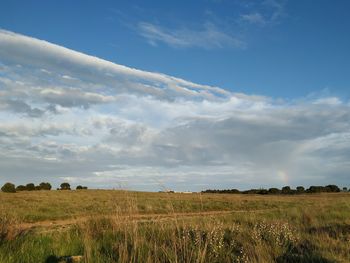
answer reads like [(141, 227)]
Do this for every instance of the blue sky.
[(290, 50), (186, 95)]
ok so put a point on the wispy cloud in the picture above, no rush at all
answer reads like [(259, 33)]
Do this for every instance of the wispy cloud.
[(215, 32), (254, 18), (209, 37), (277, 8), (266, 13), (107, 124)]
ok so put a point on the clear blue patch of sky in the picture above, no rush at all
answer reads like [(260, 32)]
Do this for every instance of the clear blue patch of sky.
[(304, 50)]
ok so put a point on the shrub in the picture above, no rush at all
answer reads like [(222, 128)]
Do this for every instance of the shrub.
[(30, 187), (300, 189), (251, 191), (286, 190), (274, 191), (263, 192), (21, 188), (8, 188), (45, 186), (65, 186), (322, 189), (332, 188), (315, 189)]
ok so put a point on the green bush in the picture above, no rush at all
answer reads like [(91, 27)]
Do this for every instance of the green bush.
[(274, 191), (45, 186), (300, 189), (65, 186), (30, 187), (8, 188), (286, 190), (21, 188)]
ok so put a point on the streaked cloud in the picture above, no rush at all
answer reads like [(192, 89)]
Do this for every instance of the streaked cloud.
[(208, 37), (277, 8), (215, 31), (65, 115), (265, 13), (254, 18)]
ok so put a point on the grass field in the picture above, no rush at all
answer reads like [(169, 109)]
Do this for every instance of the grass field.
[(121, 226)]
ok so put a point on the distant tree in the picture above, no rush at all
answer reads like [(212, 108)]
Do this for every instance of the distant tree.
[(332, 188), (315, 189), (345, 189), (45, 186), (65, 186), (226, 191), (37, 188), (274, 191), (8, 188), (262, 192), (85, 187), (251, 191), (286, 190), (79, 187), (300, 189), (21, 188), (30, 187), (293, 191)]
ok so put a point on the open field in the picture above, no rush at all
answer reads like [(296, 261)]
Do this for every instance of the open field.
[(121, 226)]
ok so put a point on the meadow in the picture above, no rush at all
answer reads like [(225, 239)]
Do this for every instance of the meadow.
[(122, 226)]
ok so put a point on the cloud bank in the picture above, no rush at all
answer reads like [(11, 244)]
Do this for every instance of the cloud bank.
[(68, 116)]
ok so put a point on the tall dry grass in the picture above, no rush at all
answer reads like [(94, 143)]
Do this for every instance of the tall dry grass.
[(290, 229)]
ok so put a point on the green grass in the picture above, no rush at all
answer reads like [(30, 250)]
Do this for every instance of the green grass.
[(303, 228)]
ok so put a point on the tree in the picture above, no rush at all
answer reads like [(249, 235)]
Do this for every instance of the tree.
[(286, 190), (79, 187), (21, 188), (45, 186), (263, 192), (274, 191), (315, 189), (300, 189), (8, 188), (30, 187), (345, 189), (332, 188), (65, 186)]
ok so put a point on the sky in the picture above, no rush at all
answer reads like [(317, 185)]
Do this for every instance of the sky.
[(183, 95)]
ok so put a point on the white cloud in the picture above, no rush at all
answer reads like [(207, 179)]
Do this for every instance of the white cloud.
[(108, 125), (328, 101), (277, 7), (254, 18), (22, 50), (265, 13), (209, 37)]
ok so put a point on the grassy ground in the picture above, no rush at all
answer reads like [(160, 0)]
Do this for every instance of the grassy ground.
[(119, 226)]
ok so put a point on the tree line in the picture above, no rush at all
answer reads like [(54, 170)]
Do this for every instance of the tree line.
[(285, 190), (11, 188)]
